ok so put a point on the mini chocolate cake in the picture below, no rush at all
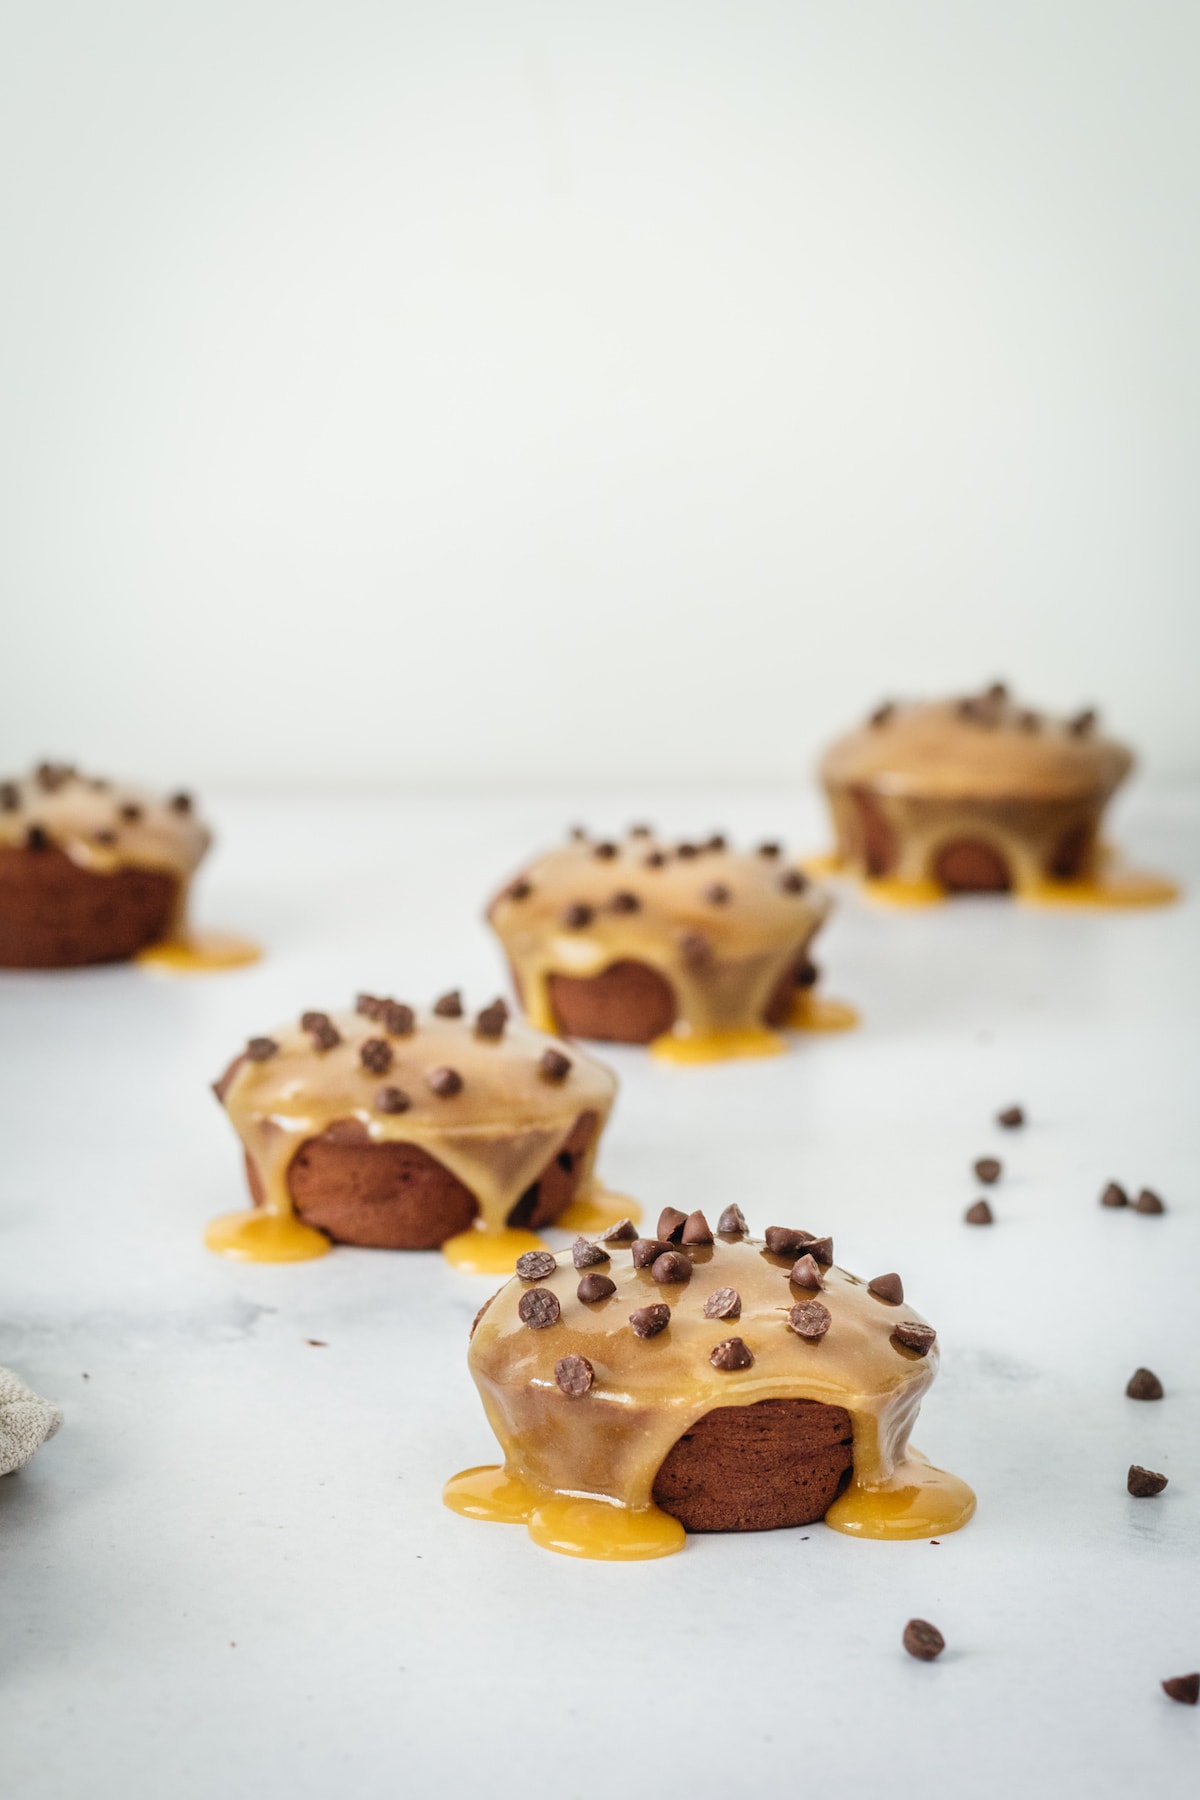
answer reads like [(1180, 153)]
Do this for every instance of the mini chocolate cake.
[(400, 1130), (977, 795), (693, 946), (727, 1383), (90, 872)]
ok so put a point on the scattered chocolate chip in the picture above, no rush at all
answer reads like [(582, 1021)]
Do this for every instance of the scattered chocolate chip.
[(793, 882), (519, 889), (1148, 1202), (670, 1224), (770, 850), (1083, 724), (538, 1307), (648, 1321), (104, 836), (321, 1029), (655, 860), (810, 1320), (724, 1303), (445, 1083), (392, 1100), (1144, 1384), (1114, 1195), (605, 851), (648, 1250), (1143, 1484), (820, 1249), (10, 796), (888, 1288), (781, 1240), (577, 915), (805, 1273), (914, 1336), (130, 811), (586, 1255), (37, 838), (624, 902), (987, 1170), (260, 1048), (491, 1021), (671, 1266), (595, 1287), (623, 1232), (732, 1222), (717, 894), (367, 1005), (397, 1020), (923, 1640), (695, 949), (731, 1353), (449, 1006), (1184, 1688), (1011, 1117), (978, 1214), (687, 851), (574, 1375), (695, 1230), (535, 1265), (180, 803), (554, 1066), (375, 1055), (883, 713)]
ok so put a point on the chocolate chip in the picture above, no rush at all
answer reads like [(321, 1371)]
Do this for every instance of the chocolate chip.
[(130, 811), (987, 1170), (1148, 1202), (670, 1223), (538, 1307), (695, 1230), (793, 882), (37, 838), (717, 894), (781, 1240), (623, 1232), (805, 1273), (732, 1222), (923, 1640), (1143, 1484), (648, 1321), (717, 841), (1011, 1117), (104, 836), (723, 1303), (820, 1249), (807, 974), (10, 796), (554, 1066), (624, 902), (914, 1336), (604, 851), (655, 860), (810, 1320), (770, 850), (260, 1048), (1144, 1384), (375, 1055), (997, 691), (321, 1029), (578, 833), (367, 1005), (695, 949), (1114, 1195), (883, 713), (586, 1255), (648, 1250), (1028, 721), (577, 915), (449, 1006), (180, 803), (445, 1083), (1083, 724), (519, 889), (397, 1020), (978, 1214), (640, 830), (888, 1288), (1184, 1688), (574, 1375), (671, 1266), (731, 1353), (491, 1021), (535, 1265), (687, 851), (392, 1100), (52, 776), (595, 1287)]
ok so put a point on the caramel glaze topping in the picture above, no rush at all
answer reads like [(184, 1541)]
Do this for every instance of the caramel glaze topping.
[(871, 1354), (724, 927), (481, 1102)]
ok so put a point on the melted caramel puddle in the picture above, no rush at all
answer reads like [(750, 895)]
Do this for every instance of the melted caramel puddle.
[(596, 1210), (570, 1524), (717, 1046), (265, 1237), (199, 953), (917, 1501), (1109, 887), (891, 891), (812, 1012), (478, 1251)]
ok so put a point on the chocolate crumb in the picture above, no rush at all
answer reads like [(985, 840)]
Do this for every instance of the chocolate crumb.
[(375, 1055), (805, 1273), (1028, 721), (731, 1353), (578, 833), (1083, 724), (810, 1319), (640, 830), (1011, 1117), (979, 1214), (51, 776), (604, 851), (180, 802), (623, 1232), (1114, 1195), (1144, 1384), (883, 713), (655, 860), (670, 1224), (260, 1048), (624, 902), (574, 1375), (10, 796), (449, 1006), (397, 1020), (671, 1266), (807, 975), (723, 1303), (554, 1066), (1184, 1688), (923, 1640), (695, 1230), (105, 836), (490, 1022), (793, 882), (519, 889), (392, 1100), (648, 1250), (770, 850), (781, 1240), (445, 1083), (717, 841), (987, 1169), (1148, 1202), (367, 1005), (695, 949), (37, 838), (130, 811), (535, 1265), (732, 1222), (577, 915), (687, 851), (538, 1307), (648, 1321), (888, 1288), (717, 894), (321, 1029), (914, 1336), (586, 1255), (595, 1287), (1143, 1484)]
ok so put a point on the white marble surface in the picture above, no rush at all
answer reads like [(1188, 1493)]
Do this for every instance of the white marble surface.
[(231, 1572)]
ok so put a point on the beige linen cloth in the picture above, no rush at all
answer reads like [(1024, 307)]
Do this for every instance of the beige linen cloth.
[(26, 1421)]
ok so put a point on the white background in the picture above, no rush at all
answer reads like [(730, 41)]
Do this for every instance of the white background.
[(504, 389)]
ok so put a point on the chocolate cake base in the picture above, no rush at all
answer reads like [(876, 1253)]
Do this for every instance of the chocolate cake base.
[(631, 1003), (55, 915), (1060, 842), (396, 1196), (968, 868), (758, 1468)]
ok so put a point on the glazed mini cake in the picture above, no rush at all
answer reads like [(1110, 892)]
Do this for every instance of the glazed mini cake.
[(972, 795), (692, 947), (407, 1130), (91, 872), (643, 1388)]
